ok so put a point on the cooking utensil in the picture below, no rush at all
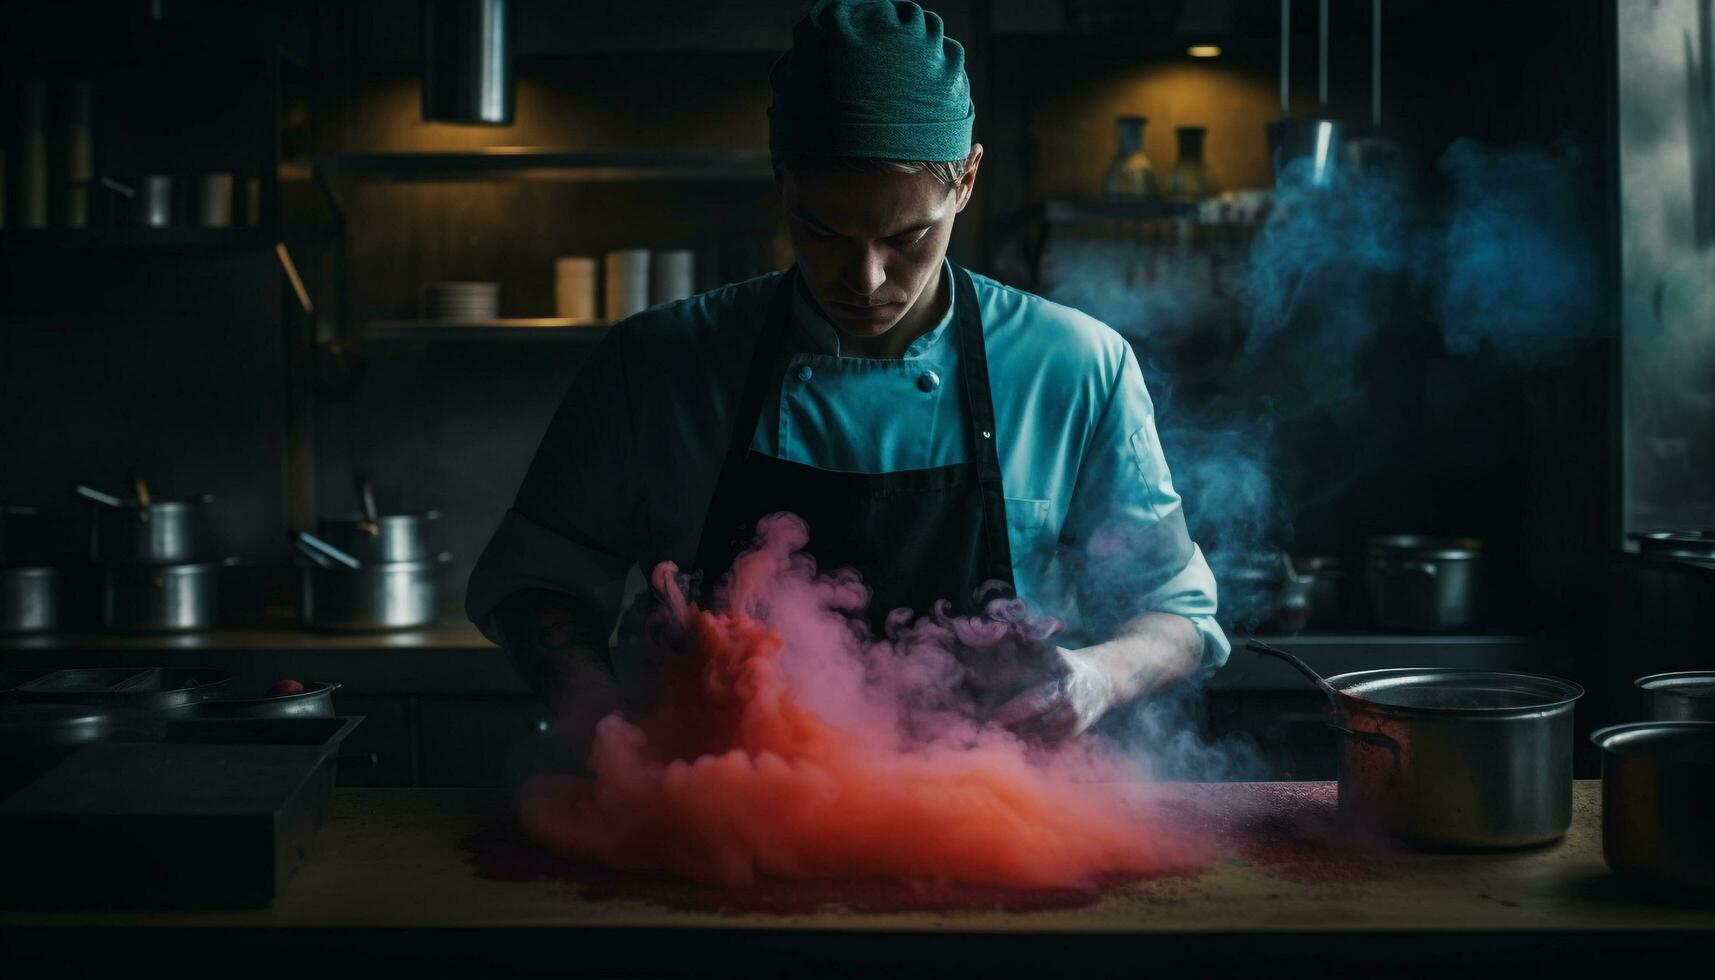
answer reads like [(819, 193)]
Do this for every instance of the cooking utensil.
[(29, 599), (366, 495), (322, 552), (1687, 695), (152, 690), (383, 596), (250, 701), (162, 598), (395, 538), (147, 531), (1324, 578), (1658, 800), (1450, 759), (154, 201), (1424, 584), (105, 499)]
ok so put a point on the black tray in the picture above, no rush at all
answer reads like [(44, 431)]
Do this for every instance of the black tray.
[(217, 816)]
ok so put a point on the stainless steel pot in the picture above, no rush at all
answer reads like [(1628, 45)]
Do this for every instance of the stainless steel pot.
[(162, 532), (29, 599), (1687, 695), (1424, 584), (1658, 800), (162, 598), (386, 538), (1325, 577), (385, 596), (1449, 759)]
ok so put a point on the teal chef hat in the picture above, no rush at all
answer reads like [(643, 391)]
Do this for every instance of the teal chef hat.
[(874, 79)]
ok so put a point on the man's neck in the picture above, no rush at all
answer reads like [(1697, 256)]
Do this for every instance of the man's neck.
[(924, 314)]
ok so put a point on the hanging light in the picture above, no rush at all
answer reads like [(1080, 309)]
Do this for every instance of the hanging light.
[(467, 62), (1204, 50)]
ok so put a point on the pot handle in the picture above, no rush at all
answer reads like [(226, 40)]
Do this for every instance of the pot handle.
[(1376, 739), (1386, 567)]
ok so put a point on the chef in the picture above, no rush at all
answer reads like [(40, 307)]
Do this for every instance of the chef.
[(944, 434)]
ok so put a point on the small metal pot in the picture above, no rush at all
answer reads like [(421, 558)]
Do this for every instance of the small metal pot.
[(314, 701), (387, 596), (1687, 695), (1658, 800), (1423, 584), (162, 598), (29, 599), (1692, 542), (1326, 580), (388, 538), (1450, 759), (163, 532)]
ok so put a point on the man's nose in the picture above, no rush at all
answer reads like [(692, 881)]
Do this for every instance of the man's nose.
[(865, 271)]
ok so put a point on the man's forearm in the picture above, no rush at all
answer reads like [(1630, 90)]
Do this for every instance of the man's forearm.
[(1152, 651)]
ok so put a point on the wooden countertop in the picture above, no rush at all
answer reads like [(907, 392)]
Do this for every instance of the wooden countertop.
[(401, 863)]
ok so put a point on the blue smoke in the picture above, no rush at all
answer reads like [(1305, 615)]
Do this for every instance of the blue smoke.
[(1499, 262)]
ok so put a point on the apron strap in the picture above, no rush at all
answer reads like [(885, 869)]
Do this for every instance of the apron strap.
[(979, 403), (765, 371)]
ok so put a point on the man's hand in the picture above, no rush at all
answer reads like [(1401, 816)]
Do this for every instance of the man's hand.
[(1063, 707), (566, 667), (1156, 649)]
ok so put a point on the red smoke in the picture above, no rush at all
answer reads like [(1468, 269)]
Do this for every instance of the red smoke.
[(786, 743)]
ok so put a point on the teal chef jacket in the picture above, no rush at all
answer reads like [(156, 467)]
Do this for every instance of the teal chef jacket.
[(626, 469)]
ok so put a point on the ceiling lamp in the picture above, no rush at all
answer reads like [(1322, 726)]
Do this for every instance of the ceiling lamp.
[(467, 62)]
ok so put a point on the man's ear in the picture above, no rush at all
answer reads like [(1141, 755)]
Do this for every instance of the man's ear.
[(968, 182)]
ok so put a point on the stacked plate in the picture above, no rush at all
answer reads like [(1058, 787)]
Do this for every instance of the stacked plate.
[(462, 301)]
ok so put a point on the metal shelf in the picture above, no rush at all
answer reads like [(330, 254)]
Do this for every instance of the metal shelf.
[(506, 330), (535, 163), (17, 240)]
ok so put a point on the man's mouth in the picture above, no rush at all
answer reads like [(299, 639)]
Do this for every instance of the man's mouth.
[(860, 311)]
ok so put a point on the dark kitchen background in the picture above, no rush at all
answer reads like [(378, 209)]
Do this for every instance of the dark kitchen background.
[(273, 350)]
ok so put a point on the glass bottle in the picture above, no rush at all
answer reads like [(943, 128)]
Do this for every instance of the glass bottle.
[(1191, 179), (1130, 175)]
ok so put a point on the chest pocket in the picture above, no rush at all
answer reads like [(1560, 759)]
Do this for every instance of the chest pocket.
[(1028, 530)]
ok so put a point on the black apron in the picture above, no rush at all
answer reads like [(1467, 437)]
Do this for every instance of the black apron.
[(915, 535)]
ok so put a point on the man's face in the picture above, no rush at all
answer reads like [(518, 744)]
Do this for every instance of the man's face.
[(869, 241)]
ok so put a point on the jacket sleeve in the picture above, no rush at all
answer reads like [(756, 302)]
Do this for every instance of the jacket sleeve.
[(575, 527), (1124, 541)]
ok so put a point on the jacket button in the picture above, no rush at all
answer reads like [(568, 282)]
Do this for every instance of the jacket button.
[(928, 381), (803, 373)]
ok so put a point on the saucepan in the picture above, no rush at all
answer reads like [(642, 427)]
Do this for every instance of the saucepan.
[(342, 593), (145, 530), (373, 537), (1452, 759)]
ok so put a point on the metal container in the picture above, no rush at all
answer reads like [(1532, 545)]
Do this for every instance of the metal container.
[(389, 596), (1695, 542), (1688, 695), (1658, 800), (163, 532), (388, 538), (29, 599), (161, 598), (314, 701), (1449, 759), (1424, 584), (1326, 580)]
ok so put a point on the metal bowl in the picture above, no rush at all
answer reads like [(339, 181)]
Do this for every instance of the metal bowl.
[(314, 701), (1677, 543)]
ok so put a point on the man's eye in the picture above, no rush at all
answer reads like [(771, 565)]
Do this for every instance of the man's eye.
[(906, 241), (820, 232)]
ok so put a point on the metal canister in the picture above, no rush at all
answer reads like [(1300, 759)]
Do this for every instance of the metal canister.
[(162, 598), (389, 596), (163, 532)]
